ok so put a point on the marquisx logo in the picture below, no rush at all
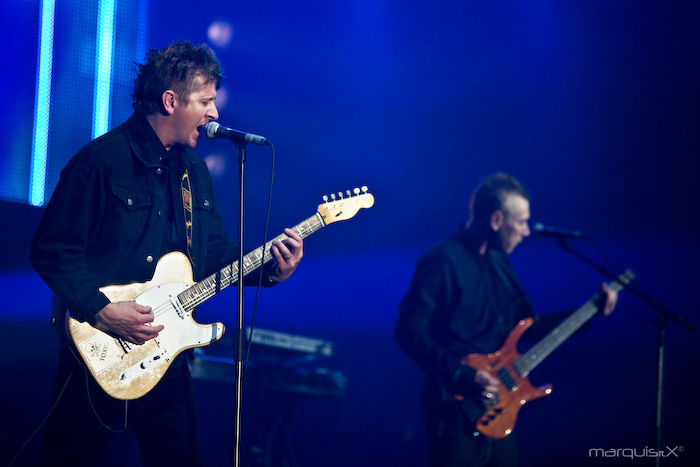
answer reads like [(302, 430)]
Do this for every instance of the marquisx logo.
[(634, 453)]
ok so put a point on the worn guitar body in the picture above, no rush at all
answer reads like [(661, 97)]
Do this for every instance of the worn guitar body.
[(512, 369), (128, 371), (515, 389)]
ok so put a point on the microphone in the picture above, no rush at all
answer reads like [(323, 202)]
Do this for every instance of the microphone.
[(541, 230), (214, 130)]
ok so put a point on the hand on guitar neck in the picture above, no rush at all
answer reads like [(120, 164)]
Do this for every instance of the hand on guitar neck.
[(607, 304), (288, 253), (129, 320)]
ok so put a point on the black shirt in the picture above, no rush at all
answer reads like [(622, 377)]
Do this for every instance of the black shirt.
[(460, 302)]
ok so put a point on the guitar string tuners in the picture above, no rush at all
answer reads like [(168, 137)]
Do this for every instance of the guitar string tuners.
[(348, 193)]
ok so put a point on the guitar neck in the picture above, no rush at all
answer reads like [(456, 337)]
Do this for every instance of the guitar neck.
[(227, 276), (534, 356)]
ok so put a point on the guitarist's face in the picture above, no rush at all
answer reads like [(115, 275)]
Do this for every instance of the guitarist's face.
[(513, 226), (189, 117)]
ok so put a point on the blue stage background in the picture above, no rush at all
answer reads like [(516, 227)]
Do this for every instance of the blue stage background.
[(595, 106)]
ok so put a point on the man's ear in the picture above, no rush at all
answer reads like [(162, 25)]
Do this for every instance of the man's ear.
[(169, 101), (496, 220)]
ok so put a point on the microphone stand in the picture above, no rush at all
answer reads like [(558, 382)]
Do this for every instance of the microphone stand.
[(663, 316), (236, 448)]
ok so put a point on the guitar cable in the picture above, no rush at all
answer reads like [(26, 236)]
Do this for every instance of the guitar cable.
[(58, 399), (126, 403), (43, 422), (257, 293), (94, 411)]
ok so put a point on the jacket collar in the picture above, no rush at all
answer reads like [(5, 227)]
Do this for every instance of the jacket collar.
[(144, 141), (475, 234)]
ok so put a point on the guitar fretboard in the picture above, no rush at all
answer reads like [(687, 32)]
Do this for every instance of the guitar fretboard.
[(228, 276), (533, 357)]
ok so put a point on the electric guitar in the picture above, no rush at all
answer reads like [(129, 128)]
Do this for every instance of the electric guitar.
[(511, 369), (128, 371)]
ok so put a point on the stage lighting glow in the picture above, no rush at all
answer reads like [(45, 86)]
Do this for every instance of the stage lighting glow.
[(221, 98), (40, 137), (142, 29), (103, 66), (216, 163), (220, 33)]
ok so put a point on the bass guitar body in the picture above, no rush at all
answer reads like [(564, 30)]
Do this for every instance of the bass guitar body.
[(512, 369), (514, 391)]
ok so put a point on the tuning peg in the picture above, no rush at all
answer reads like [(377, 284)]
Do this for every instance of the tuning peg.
[(325, 198), (333, 196), (348, 193), (340, 194), (364, 189)]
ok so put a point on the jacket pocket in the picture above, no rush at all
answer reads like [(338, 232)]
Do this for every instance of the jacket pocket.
[(201, 199), (127, 210)]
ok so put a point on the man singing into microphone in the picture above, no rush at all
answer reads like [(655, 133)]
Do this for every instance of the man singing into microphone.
[(464, 298), (122, 202)]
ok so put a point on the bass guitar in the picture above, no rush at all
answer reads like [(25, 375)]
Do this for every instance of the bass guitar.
[(128, 371), (511, 369)]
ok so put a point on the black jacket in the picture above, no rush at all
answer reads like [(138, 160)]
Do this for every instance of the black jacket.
[(461, 302), (104, 223)]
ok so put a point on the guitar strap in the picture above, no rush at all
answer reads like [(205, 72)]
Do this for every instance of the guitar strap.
[(187, 207), (505, 272)]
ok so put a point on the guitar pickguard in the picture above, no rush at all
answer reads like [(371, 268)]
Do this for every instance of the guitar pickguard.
[(128, 371)]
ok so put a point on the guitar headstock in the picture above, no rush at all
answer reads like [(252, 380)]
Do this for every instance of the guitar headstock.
[(344, 206), (622, 280)]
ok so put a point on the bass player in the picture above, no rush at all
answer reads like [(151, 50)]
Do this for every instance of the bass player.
[(464, 298)]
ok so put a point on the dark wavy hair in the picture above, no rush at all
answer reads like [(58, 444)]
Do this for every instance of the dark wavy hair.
[(175, 67), (490, 195)]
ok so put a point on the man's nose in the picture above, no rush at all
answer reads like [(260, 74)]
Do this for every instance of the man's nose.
[(214, 112)]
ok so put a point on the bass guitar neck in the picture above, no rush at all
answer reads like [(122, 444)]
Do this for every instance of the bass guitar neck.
[(511, 369)]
